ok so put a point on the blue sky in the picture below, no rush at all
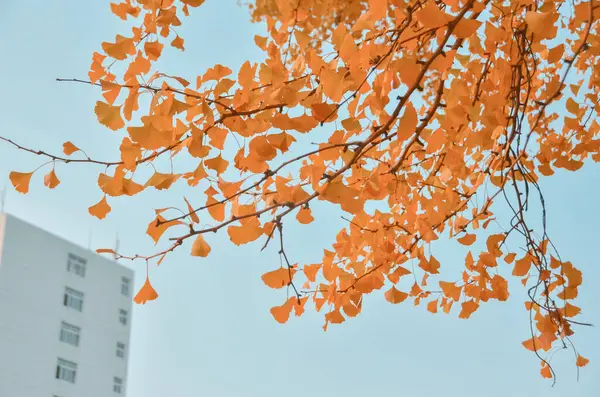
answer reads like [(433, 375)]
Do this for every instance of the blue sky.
[(210, 332)]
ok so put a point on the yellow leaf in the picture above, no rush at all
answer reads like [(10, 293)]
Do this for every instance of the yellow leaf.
[(69, 148), (108, 115), (110, 91), (153, 49), (394, 296), (247, 232), (200, 247), (468, 308), (311, 271), (51, 180), (324, 111), (178, 43), (433, 306), (522, 266), (278, 278), (162, 181), (130, 153), (378, 9), (155, 231), (467, 239), (146, 293), (500, 288), (261, 42), (537, 21), (217, 164), (282, 313), (193, 3), (510, 257), (431, 16), (215, 209), (451, 290), (100, 209), (122, 47), (545, 371), (304, 216), (555, 54), (432, 265), (335, 317), (582, 361), (262, 148), (191, 211), (20, 180), (531, 344), (466, 28), (408, 123)]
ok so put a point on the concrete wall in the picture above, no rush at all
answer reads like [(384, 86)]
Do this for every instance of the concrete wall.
[(33, 276)]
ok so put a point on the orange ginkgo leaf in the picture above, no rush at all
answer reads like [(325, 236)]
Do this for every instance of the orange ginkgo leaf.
[(323, 111), (105, 251), (110, 91), (581, 361), (153, 49), (20, 180), (218, 164), (335, 317), (200, 247), (100, 209), (193, 215), (467, 239), (162, 181), (216, 209), (158, 226), (545, 371), (433, 306), (311, 271), (130, 153), (247, 232), (530, 344), (109, 116), (431, 16), (278, 278), (122, 10), (146, 293), (69, 148), (377, 8), (282, 313), (304, 216), (468, 308), (395, 296), (51, 180), (193, 3), (522, 266), (451, 290), (178, 43), (122, 47)]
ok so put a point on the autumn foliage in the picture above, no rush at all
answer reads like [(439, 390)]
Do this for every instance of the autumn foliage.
[(433, 110)]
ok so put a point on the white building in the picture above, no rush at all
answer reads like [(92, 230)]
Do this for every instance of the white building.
[(65, 316)]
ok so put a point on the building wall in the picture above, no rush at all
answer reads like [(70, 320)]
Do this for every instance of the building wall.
[(33, 276)]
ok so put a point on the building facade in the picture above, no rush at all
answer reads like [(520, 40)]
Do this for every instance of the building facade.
[(65, 316)]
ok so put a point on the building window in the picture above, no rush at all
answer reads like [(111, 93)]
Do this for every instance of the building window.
[(76, 265), (120, 350), (73, 299), (123, 316), (69, 334), (125, 286), (117, 385), (66, 370)]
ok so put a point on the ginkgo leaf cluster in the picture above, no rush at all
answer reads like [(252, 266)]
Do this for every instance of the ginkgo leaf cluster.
[(434, 110)]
